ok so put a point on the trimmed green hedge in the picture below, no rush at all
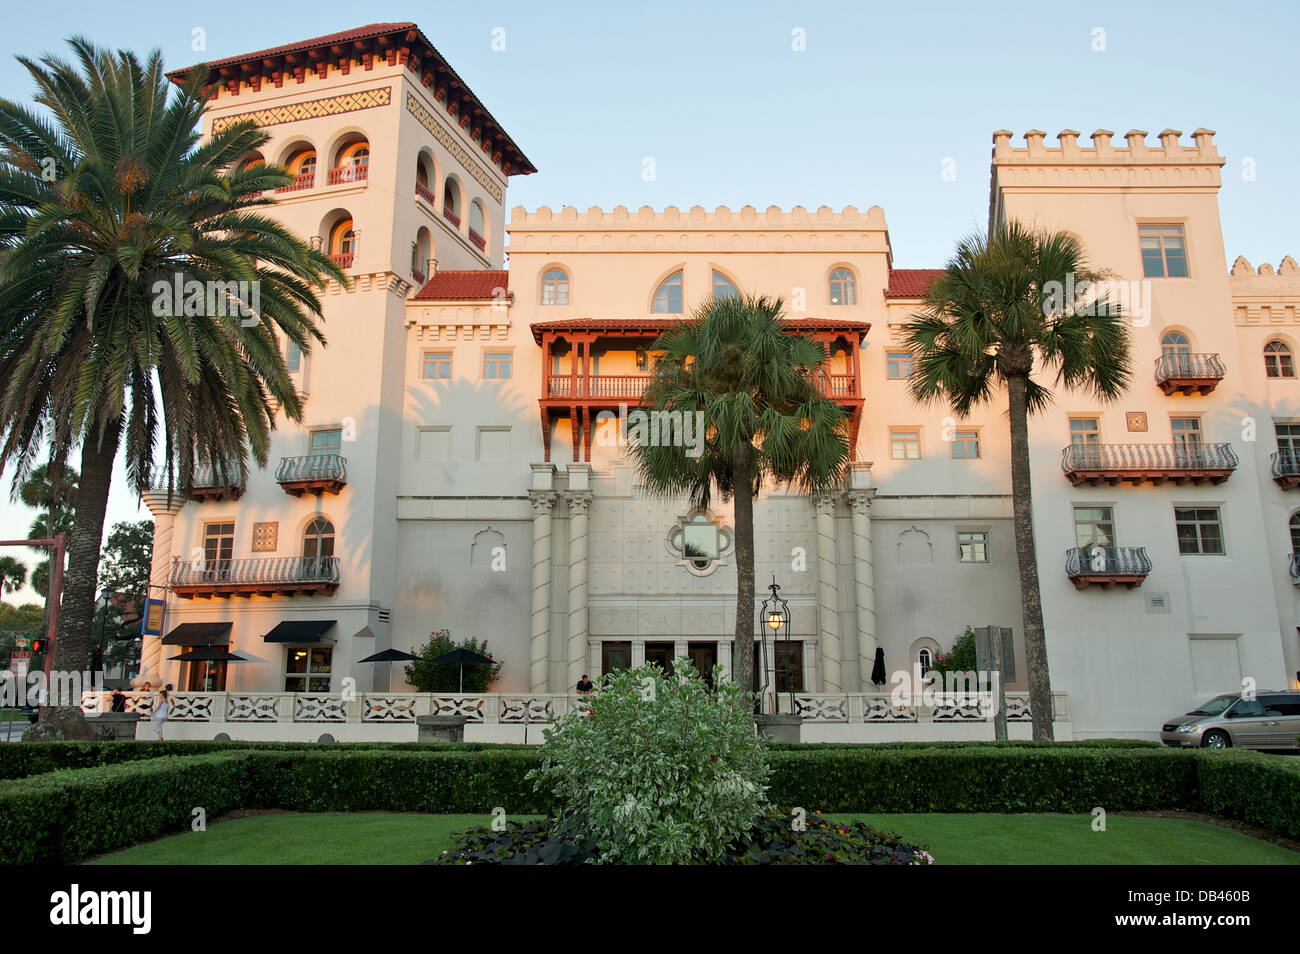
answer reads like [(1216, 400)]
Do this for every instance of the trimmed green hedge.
[(70, 814)]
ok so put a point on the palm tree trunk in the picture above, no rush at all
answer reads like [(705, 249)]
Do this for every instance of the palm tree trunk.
[(742, 648), (77, 605), (1022, 503)]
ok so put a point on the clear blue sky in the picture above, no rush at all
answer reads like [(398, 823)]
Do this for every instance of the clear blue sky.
[(732, 115)]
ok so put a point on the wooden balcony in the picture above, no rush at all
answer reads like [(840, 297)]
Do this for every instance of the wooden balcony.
[(1107, 567), (1286, 469), (1148, 463), (348, 175), (1188, 373), (304, 180), (268, 576), (314, 474)]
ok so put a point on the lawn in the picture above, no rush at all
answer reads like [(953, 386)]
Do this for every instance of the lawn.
[(383, 838)]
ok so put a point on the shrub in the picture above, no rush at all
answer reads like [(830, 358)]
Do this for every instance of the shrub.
[(665, 770), (961, 658), (1259, 789), (428, 676)]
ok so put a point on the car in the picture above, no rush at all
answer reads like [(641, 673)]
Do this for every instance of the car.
[(1266, 720)]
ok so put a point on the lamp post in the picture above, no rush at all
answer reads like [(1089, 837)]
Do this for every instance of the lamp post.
[(776, 617)]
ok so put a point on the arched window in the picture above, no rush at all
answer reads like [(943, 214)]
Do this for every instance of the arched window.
[(844, 288), (724, 287), (1278, 360), (476, 217), (303, 163), (555, 287), (451, 197), (1295, 533), (1175, 342), (668, 297), (318, 539), (925, 660), (343, 242)]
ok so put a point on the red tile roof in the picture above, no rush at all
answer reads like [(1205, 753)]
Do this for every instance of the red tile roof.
[(477, 284), (655, 326), (263, 62), (911, 282)]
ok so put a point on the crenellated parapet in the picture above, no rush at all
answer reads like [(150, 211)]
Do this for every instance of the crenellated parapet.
[(1265, 296), (696, 229)]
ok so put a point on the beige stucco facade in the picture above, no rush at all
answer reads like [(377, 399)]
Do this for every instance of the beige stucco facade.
[(487, 503)]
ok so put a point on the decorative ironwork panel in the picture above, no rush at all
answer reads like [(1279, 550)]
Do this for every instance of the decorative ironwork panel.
[(822, 708), (191, 708), (388, 709), (1018, 710), (253, 709), (471, 707), (884, 709), (519, 710), (974, 712), (319, 709)]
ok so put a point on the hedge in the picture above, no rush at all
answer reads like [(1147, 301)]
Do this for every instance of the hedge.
[(66, 815)]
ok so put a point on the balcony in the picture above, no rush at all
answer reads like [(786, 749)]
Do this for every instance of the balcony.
[(1188, 373), (210, 485), (451, 216), (1107, 567), (422, 192), (479, 241), (1286, 469), (626, 387), (343, 259), (1295, 568), (418, 278), (304, 180), (266, 576), (1148, 463), (350, 174), (315, 474)]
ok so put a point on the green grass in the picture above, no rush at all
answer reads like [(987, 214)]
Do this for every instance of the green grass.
[(995, 839), (382, 838)]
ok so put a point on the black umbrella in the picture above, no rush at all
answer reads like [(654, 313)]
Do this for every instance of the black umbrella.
[(878, 670), (389, 656), (462, 657)]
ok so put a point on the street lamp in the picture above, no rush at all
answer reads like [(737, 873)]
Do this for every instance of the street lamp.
[(776, 616)]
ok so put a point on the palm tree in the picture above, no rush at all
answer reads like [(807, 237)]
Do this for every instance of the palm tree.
[(13, 574), (750, 376), (104, 207), (994, 318)]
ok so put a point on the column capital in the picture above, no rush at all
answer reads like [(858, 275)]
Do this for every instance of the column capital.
[(543, 502), (579, 502), (825, 503), (160, 502), (860, 501)]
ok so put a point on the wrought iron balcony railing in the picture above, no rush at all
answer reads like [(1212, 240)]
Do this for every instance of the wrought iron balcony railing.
[(1295, 568), (1189, 373), (255, 575), (210, 483), (315, 473), (1148, 463), (1107, 566), (1286, 469)]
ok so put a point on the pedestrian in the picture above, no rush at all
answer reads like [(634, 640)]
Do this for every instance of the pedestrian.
[(119, 700), (585, 684), (160, 708)]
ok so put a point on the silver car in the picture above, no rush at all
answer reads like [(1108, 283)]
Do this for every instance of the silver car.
[(1269, 720)]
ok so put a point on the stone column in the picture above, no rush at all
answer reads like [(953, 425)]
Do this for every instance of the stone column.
[(540, 641), (864, 585), (579, 504), (164, 512), (828, 617)]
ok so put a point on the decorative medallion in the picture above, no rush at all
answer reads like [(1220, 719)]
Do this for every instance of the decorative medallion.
[(700, 543), (265, 537), (1136, 420)]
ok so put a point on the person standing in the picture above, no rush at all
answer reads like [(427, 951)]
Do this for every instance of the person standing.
[(161, 707)]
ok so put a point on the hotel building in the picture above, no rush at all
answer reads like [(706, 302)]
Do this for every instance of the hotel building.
[(457, 466)]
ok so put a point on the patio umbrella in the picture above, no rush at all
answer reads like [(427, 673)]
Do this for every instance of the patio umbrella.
[(389, 656), (878, 669), (460, 657)]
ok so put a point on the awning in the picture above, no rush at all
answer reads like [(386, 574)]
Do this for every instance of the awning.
[(198, 634), (299, 631), (209, 654)]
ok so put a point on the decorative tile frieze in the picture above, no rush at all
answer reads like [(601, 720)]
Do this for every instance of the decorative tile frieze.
[(453, 146), (311, 109)]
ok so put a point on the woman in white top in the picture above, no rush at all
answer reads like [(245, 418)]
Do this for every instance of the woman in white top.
[(160, 706)]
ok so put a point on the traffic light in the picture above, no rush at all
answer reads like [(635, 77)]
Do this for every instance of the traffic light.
[(39, 645)]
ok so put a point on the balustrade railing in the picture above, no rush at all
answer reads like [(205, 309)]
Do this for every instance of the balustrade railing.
[(343, 259), (451, 216), (345, 174), (270, 571), (630, 386), (304, 180), (1107, 561), (423, 192), (479, 241), (312, 467), (1191, 367)]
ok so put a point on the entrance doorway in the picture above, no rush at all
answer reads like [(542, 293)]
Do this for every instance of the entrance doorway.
[(704, 656), (615, 654), (206, 677), (661, 654)]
